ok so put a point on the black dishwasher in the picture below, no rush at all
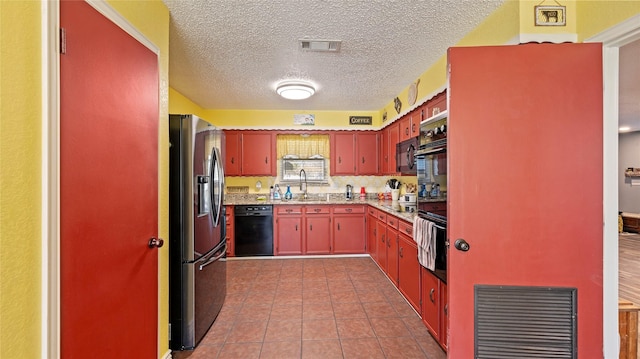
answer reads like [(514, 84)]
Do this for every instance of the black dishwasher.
[(253, 230)]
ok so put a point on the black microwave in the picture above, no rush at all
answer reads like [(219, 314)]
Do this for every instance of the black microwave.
[(405, 156)]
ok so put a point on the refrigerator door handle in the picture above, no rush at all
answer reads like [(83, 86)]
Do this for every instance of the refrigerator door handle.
[(216, 258), (217, 175)]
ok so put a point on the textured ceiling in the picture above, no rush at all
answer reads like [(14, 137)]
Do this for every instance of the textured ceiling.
[(230, 54)]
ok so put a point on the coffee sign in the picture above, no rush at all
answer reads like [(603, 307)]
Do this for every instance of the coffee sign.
[(360, 120)]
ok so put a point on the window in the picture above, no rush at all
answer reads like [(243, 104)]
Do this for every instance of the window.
[(314, 168)]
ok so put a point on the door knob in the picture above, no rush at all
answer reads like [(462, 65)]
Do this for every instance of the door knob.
[(155, 242), (461, 245)]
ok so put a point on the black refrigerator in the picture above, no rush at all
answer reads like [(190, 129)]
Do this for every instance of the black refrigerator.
[(197, 267)]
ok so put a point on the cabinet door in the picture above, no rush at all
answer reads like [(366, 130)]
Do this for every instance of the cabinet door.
[(431, 302), (405, 127), (381, 247), (444, 316), (257, 154), (348, 233), (392, 254), (394, 138), (371, 233), (288, 235), (343, 154), (414, 126), (409, 270), (383, 149), (229, 223), (232, 164), (367, 153), (318, 234)]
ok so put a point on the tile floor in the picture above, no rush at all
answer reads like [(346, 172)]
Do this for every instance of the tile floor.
[(314, 308)]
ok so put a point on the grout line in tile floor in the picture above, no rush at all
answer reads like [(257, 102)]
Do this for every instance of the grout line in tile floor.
[(314, 308)]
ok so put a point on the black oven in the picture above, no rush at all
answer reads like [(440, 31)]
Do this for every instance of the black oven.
[(405, 156), (440, 224), (431, 164)]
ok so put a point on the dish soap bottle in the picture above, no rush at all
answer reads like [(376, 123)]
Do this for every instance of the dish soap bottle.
[(288, 194)]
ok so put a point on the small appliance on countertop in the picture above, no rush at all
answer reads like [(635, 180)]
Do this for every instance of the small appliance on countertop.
[(349, 193)]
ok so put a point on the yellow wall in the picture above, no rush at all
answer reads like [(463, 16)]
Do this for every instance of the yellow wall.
[(179, 104), (20, 206), (596, 16), (284, 119)]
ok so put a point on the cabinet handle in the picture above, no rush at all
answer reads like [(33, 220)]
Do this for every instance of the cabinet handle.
[(446, 309), (388, 243), (374, 233), (266, 160), (288, 210), (339, 159), (413, 127), (316, 210), (349, 210), (233, 160), (408, 230), (401, 248), (382, 237), (311, 227), (406, 131), (338, 226), (362, 159), (433, 290), (296, 227)]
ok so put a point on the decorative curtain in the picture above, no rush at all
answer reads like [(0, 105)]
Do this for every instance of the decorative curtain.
[(303, 146)]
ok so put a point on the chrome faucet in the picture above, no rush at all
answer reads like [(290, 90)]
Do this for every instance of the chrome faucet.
[(303, 185)]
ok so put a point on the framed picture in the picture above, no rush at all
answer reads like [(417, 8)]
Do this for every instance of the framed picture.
[(550, 15), (304, 119)]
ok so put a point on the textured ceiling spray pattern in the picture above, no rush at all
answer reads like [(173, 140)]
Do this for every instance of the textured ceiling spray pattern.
[(231, 54)]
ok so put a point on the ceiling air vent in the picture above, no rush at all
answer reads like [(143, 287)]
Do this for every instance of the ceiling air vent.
[(320, 45)]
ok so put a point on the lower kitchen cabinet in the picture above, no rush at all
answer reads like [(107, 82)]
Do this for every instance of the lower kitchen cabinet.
[(392, 249), (408, 266), (431, 302), (381, 245), (288, 230), (229, 227), (444, 316), (317, 230), (349, 229), (372, 214)]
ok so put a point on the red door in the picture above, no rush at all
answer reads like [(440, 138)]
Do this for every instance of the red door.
[(525, 180), (108, 189)]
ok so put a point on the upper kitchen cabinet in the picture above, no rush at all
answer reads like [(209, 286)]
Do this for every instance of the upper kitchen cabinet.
[(410, 124), (434, 106), (354, 153), (250, 153), (390, 136)]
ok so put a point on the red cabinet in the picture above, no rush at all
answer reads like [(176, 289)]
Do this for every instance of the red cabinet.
[(229, 226), (410, 124), (444, 316), (343, 154), (317, 230), (408, 265), (232, 153), (381, 243), (392, 249), (436, 104), (371, 232), (258, 154), (431, 302), (288, 230), (348, 229), (390, 138), (367, 153), (250, 153), (354, 153)]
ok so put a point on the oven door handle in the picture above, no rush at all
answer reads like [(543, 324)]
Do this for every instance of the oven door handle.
[(430, 151)]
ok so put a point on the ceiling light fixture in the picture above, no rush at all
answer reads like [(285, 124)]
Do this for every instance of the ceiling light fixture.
[(295, 90)]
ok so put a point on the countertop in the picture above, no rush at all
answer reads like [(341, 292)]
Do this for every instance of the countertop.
[(391, 207)]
